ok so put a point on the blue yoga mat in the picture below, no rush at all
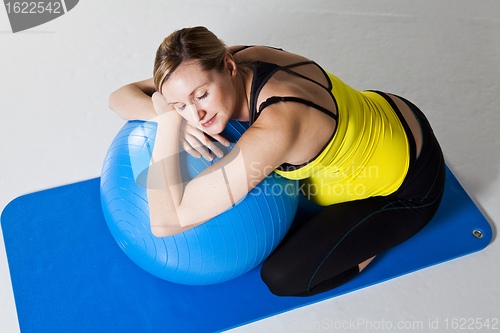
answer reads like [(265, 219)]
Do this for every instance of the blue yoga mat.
[(69, 275)]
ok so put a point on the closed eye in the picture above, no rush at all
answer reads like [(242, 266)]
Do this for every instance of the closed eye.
[(198, 98), (203, 96)]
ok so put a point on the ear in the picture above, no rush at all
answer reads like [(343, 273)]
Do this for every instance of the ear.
[(230, 64)]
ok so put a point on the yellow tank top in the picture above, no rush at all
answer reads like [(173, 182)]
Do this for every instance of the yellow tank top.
[(368, 156)]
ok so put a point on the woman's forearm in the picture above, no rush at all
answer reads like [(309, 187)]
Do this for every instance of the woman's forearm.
[(174, 207), (164, 181), (131, 103)]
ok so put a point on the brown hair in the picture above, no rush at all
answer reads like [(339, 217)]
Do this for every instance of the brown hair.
[(197, 43)]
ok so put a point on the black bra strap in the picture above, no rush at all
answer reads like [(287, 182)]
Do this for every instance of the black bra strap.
[(277, 99), (299, 64), (249, 46), (263, 71), (304, 77)]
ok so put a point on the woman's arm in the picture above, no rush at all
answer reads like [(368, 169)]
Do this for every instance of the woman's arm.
[(175, 207), (133, 101)]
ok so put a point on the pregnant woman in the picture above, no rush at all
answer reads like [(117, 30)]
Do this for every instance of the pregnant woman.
[(370, 157)]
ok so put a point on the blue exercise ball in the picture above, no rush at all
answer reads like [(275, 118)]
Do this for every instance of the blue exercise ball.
[(218, 250)]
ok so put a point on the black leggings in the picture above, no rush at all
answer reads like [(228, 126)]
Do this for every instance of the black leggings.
[(324, 252)]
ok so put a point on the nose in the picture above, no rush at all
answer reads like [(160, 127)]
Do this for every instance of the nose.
[(196, 114)]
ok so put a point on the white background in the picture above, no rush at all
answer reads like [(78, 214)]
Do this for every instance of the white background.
[(444, 56)]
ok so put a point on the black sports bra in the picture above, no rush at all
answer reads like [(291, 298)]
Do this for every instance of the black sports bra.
[(263, 71)]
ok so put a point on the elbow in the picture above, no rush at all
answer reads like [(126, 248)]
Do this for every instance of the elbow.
[(160, 228), (113, 102), (160, 232), (163, 231)]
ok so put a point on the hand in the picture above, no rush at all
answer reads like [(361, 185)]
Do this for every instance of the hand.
[(160, 104), (194, 140)]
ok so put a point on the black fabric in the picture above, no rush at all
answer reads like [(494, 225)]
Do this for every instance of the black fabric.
[(322, 253), (277, 99), (263, 71), (249, 46)]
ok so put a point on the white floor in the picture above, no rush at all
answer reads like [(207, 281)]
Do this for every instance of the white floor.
[(55, 126)]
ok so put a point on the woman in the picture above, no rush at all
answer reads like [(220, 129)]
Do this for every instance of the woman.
[(370, 157)]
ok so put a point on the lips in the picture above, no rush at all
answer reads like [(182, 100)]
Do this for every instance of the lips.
[(208, 123)]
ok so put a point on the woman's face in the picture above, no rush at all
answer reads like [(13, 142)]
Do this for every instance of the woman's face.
[(206, 99)]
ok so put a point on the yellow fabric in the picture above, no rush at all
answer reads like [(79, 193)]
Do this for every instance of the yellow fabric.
[(368, 155)]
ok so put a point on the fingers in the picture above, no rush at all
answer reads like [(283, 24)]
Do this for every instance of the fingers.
[(190, 150), (225, 142), (196, 143), (211, 145), (202, 136), (199, 143), (194, 148)]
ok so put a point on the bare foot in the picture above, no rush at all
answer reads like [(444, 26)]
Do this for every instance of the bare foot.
[(365, 263)]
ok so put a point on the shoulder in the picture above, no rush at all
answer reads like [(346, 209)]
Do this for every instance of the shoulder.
[(253, 53), (277, 127), (264, 146)]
